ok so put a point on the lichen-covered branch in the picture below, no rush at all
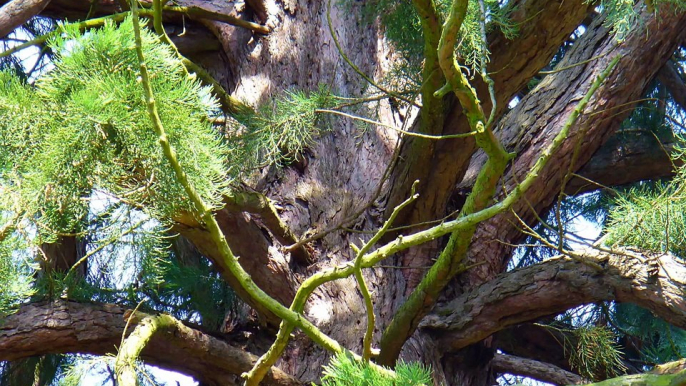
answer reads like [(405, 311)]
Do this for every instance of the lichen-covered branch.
[(421, 300), (71, 327), (648, 379), (129, 352), (272, 355)]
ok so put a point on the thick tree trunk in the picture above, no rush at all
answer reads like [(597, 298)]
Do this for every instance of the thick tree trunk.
[(342, 173)]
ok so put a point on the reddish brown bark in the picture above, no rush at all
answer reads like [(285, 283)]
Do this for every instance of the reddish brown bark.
[(66, 327), (342, 173), (627, 157), (543, 26), (545, 372), (530, 127), (17, 12), (652, 281)]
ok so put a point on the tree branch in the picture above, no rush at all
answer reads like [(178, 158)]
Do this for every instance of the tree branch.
[(537, 342), (654, 281), (628, 156), (541, 371), (668, 76), (556, 95), (18, 12), (70, 327), (446, 162), (675, 376), (450, 261)]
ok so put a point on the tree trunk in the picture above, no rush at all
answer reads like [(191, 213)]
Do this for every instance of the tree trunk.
[(340, 176)]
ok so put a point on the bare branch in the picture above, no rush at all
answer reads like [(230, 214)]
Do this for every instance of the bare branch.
[(654, 281), (546, 372), (18, 12)]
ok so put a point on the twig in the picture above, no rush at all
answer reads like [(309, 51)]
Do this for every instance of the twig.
[(572, 65), (354, 66), (408, 133), (257, 373)]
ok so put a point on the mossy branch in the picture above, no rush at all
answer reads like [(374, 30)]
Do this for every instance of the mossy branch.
[(432, 76), (367, 342), (648, 379), (201, 13), (401, 243), (130, 350), (449, 262), (254, 376)]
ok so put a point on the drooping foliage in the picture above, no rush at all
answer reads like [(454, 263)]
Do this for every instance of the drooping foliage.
[(16, 265), (84, 127), (403, 28), (280, 129), (78, 155), (652, 340), (342, 370)]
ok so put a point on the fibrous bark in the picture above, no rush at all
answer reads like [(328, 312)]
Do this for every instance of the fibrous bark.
[(543, 26), (654, 281), (532, 124), (628, 156)]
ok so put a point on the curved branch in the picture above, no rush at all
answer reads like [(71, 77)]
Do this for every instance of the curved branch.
[(541, 371), (510, 69), (70, 327), (450, 261), (654, 281)]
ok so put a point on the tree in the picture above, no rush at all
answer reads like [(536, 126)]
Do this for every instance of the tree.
[(283, 201)]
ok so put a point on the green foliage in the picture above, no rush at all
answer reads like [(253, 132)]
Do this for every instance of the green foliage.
[(651, 114), (343, 370), (185, 286), (403, 28), (130, 261), (38, 370), (622, 15), (652, 218), (16, 283), (279, 130), (85, 126), (655, 340), (596, 355)]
